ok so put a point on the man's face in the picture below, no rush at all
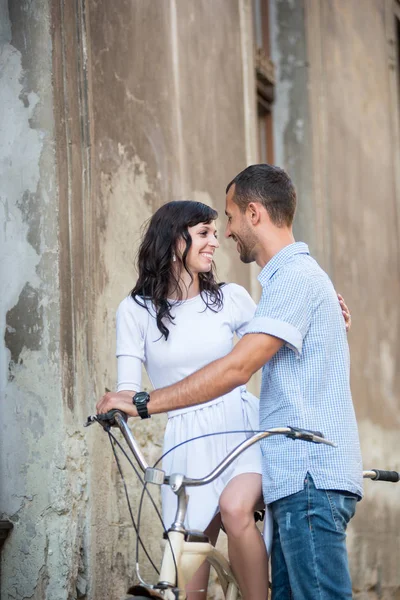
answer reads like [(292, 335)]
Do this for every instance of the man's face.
[(239, 228)]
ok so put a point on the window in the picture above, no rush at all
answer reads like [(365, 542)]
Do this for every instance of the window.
[(265, 80)]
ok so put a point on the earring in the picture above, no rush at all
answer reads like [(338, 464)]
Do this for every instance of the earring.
[(173, 257)]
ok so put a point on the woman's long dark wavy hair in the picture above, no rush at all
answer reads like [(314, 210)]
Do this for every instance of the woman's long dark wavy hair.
[(156, 276)]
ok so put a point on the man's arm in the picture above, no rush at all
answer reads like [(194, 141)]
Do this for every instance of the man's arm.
[(219, 377), (214, 380)]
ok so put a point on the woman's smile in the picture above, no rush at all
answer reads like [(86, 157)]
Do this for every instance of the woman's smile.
[(207, 255)]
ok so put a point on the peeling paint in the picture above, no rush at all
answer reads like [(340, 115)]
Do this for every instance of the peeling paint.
[(127, 198), (29, 206), (31, 428), (24, 325)]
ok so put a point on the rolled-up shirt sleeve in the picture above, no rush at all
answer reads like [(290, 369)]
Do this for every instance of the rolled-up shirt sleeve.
[(130, 346), (285, 309)]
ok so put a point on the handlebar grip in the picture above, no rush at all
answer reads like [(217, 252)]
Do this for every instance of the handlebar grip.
[(393, 476), (108, 419)]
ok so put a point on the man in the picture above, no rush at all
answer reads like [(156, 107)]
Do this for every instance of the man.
[(298, 336)]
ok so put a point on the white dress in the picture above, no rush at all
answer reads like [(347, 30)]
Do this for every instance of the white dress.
[(197, 336)]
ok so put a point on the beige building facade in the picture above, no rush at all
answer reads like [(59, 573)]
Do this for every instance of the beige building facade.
[(108, 110)]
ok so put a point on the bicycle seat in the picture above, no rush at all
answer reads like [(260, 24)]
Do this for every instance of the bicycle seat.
[(193, 535)]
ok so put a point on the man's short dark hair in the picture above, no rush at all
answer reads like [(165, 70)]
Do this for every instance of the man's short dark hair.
[(269, 185)]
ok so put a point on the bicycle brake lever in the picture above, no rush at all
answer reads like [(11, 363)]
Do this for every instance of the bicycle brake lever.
[(106, 420), (316, 437), (297, 433)]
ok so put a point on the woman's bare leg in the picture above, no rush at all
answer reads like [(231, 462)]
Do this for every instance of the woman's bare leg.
[(199, 580), (247, 551)]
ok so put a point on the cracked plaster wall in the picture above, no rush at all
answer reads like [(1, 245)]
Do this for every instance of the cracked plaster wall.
[(42, 484), (335, 132)]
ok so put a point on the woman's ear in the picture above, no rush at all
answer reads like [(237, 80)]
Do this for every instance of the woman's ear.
[(179, 248)]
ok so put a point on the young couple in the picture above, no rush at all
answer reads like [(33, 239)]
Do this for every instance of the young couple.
[(180, 323)]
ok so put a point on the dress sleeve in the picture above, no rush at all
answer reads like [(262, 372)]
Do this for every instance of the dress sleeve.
[(130, 345), (242, 308)]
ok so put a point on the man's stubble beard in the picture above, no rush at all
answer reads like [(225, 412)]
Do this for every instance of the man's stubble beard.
[(246, 258), (246, 253)]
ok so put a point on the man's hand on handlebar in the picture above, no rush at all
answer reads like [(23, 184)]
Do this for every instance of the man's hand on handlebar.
[(120, 400)]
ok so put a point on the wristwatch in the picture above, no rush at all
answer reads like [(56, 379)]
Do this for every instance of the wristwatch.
[(140, 400)]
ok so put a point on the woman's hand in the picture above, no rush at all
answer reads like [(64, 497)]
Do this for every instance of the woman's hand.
[(345, 312), (120, 400)]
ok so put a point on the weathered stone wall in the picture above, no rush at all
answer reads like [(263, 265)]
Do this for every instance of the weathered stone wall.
[(111, 109), (337, 132), (43, 485)]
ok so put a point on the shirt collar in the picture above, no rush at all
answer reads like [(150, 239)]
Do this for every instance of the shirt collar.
[(282, 257)]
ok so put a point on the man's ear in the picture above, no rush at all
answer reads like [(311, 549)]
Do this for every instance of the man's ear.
[(254, 212)]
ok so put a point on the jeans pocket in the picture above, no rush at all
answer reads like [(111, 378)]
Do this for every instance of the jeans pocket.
[(343, 507)]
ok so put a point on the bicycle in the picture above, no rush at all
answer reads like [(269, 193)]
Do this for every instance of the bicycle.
[(186, 550)]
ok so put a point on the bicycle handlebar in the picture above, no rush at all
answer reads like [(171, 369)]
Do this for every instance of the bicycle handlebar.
[(152, 475), (117, 418), (290, 432), (378, 475)]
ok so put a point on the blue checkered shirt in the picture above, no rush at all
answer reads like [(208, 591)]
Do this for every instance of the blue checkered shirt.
[(307, 383)]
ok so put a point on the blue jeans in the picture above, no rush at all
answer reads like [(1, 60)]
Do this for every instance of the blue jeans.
[(309, 556)]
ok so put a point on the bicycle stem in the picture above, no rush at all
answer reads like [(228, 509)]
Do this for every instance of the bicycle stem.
[(179, 521)]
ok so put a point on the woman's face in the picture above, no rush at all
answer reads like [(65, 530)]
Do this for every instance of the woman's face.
[(204, 244)]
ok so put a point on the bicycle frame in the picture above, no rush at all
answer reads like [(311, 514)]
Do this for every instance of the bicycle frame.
[(185, 551)]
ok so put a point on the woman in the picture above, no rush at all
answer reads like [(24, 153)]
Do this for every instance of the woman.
[(176, 320)]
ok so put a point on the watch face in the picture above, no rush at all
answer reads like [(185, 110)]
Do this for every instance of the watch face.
[(141, 397)]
